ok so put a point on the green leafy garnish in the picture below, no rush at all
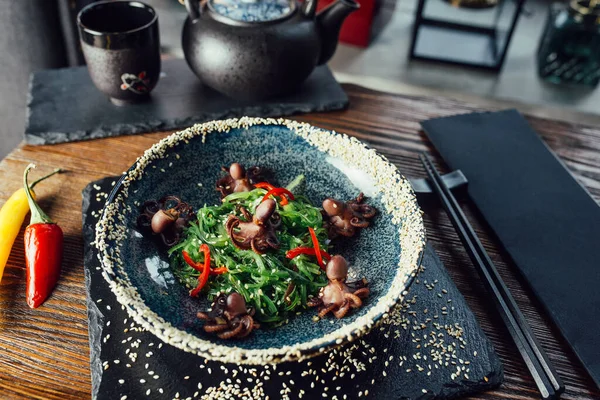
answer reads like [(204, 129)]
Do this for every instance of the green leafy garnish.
[(263, 280)]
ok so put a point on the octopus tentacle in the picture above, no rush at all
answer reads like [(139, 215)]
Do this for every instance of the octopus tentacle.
[(231, 333), (356, 285), (275, 220), (238, 244), (353, 300), (272, 241), (231, 223), (170, 240), (326, 309), (343, 310), (314, 302), (254, 245), (204, 316), (367, 211), (362, 292), (359, 222), (151, 206), (248, 325), (172, 198), (216, 328), (246, 213)]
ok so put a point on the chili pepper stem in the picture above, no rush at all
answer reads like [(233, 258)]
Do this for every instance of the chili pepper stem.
[(56, 171), (37, 215)]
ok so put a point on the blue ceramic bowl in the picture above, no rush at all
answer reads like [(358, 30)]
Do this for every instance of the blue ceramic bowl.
[(188, 163)]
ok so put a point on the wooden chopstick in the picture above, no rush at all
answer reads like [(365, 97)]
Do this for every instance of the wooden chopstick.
[(542, 371)]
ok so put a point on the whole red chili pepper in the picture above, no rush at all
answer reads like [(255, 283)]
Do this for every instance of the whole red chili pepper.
[(43, 251)]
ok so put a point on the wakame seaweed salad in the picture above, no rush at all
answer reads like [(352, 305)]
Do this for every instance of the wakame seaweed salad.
[(275, 286)]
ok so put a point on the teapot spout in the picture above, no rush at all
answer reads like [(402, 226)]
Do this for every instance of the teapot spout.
[(329, 23)]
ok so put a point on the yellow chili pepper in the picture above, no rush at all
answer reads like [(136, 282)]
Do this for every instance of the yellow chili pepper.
[(12, 215)]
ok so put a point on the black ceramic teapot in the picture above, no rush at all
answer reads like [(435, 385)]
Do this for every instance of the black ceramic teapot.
[(254, 49)]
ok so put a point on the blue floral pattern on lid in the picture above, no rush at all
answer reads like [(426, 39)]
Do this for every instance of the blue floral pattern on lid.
[(253, 10)]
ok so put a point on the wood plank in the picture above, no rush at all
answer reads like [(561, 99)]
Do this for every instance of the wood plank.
[(44, 353)]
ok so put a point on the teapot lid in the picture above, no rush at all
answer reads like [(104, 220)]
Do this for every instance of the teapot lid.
[(253, 10)]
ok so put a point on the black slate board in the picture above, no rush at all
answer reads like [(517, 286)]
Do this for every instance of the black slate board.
[(64, 105), (395, 361), (547, 221)]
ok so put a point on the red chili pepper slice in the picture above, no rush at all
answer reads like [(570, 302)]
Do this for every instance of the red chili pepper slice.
[(264, 185), (309, 251), (317, 247), (293, 253), (200, 267), (203, 278), (280, 192), (197, 266), (219, 271)]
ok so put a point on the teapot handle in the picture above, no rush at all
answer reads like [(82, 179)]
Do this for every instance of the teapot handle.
[(192, 7)]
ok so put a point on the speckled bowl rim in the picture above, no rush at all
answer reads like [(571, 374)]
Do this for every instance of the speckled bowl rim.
[(397, 197)]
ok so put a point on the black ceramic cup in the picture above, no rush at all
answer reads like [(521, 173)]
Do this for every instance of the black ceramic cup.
[(121, 47)]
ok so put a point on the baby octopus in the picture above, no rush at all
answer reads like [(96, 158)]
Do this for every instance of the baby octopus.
[(338, 296), (229, 317), (166, 217), (258, 231), (345, 218), (240, 180)]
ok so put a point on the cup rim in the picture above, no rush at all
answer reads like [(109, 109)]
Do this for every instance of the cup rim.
[(102, 3)]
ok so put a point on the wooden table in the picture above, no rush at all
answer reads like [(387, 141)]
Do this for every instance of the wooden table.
[(44, 353)]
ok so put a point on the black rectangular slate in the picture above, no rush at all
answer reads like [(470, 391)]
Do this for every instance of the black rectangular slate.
[(64, 105), (395, 361), (545, 219)]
